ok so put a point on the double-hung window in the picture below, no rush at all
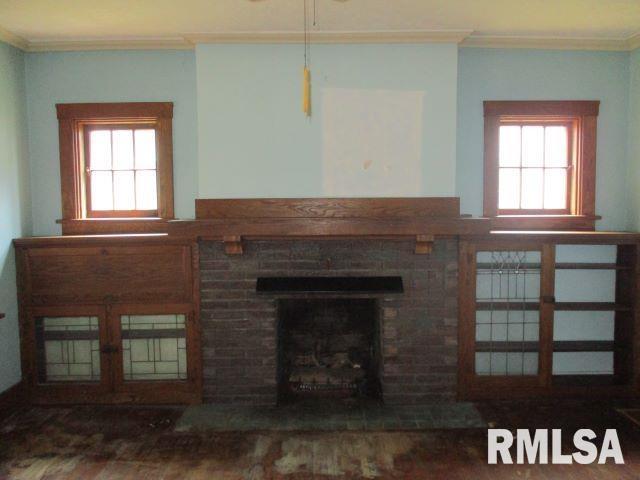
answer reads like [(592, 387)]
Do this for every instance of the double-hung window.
[(116, 165), (121, 170), (540, 164)]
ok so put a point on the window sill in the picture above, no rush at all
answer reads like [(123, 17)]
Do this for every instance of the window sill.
[(102, 226), (544, 222)]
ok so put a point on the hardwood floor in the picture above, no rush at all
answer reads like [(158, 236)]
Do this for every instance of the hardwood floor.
[(140, 443)]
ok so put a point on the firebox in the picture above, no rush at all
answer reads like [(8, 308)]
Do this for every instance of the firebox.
[(328, 347)]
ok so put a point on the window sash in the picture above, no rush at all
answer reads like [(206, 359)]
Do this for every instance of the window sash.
[(134, 213), (570, 124)]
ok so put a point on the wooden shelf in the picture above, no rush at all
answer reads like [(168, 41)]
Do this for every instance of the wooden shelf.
[(558, 306), (559, 237), (584, 346), (508, 266), (559, 346), (590, 266), (583, 380), (591, 307), (514, 347), (502, 306)]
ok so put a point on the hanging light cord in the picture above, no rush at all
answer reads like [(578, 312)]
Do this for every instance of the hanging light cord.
[(306, 47), (314, 13)]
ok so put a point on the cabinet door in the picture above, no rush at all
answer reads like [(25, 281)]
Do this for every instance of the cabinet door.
[(506, 319), (68, 354), (157, 353)]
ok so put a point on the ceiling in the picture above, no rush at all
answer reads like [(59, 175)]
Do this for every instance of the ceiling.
[(47, 24)]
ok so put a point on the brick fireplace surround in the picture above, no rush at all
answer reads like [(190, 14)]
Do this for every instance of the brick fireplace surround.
[(418, 331)]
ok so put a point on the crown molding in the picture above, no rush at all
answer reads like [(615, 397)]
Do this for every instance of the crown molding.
[(634, 41), (552, 43), (176, 43), (12, 39), (465, 38), (389, 36)]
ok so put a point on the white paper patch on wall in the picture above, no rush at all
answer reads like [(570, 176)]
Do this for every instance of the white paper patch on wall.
[(372, 142)]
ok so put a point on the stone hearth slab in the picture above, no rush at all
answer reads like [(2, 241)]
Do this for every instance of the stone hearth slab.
[(209, 417)]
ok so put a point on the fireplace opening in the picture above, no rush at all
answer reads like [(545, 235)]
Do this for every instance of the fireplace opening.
[(328, 348)]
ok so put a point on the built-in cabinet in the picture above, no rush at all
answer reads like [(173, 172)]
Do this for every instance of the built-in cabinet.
[(109, 319), (553, 314)]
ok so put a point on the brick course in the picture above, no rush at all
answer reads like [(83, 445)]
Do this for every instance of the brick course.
[(418, 328)]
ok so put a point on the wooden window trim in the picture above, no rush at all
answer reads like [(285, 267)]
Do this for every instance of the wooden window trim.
[(583, 117), (72, 119)]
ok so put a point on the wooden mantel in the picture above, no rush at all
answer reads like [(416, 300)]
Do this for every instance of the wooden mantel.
[(233, 220)]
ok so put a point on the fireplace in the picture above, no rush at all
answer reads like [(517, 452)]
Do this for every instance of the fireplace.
[(243, 297), (328, 347), (253, 254)]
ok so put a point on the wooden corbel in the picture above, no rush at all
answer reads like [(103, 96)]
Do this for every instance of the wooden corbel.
[(424, 244), (232, 244)]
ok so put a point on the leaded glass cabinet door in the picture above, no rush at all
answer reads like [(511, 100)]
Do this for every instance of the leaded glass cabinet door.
[(70, 359), (155, 349), (506, 319)]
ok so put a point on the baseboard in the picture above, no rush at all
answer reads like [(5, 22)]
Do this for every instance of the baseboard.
[(12, 399)]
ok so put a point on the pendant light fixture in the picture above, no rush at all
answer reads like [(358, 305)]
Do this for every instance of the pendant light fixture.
[(306, 71)]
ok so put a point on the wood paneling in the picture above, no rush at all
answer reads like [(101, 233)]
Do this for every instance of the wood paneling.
[(560, 108), (547, 301), (466, 317), (234, 220), (544, 222), (104, 226), (12, 399), (118, 274), (558, 237), (107, 276), (114, 111), (328, 207), (328, 227)]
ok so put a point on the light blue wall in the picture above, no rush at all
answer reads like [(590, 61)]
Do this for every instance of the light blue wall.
[(239, 130), (515, 74), (255, 142), (634, 140), (134, 76), (15, 213)]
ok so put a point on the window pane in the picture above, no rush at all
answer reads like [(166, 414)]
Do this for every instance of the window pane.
[(101, 191), (154, 347), (123, 189), (509, 188), (146, 196), (68, 349), (532, 188), (532, 146), (510, 146), (555, 188), (122, 149), (100, 149), (556, 146), (145, 148)]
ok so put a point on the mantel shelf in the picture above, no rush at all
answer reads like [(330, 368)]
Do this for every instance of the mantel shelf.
[(235, 220), (327, 227)]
